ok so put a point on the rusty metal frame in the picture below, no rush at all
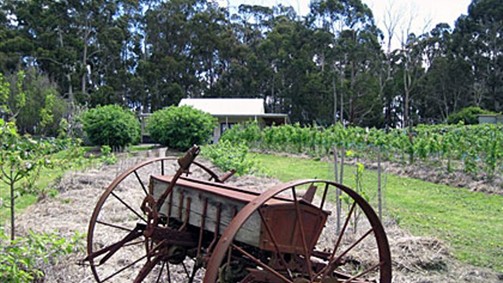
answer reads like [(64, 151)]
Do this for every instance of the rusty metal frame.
[(226, 240)]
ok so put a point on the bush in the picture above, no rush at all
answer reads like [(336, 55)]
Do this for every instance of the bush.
[(111, 125), (248, 132), (25, 259), (226, 156), (180, 127), (468, 115)]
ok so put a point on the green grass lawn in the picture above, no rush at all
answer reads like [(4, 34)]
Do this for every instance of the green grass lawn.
[(470, 223)]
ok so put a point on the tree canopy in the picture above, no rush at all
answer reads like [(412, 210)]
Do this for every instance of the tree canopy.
[(325, 67)]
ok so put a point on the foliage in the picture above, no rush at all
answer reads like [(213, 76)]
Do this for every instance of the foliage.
[(227, 156), (249, 133), (467, 116), (25, 259), (479, 148), (12, 96), (111, 125), (323, 68), (44, 107), (21, 160), (107, 156), (180, 127)]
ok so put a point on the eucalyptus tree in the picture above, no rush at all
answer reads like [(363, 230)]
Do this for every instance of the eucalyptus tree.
[(246, 72), (252, 22), (212, 41), (445, 86), (13, 45), (109, 67), (290, 81), (479, 41), (71, 41), (167, 63), (354, 55)]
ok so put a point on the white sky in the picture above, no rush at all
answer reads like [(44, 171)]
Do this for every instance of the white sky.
[(424, 14)]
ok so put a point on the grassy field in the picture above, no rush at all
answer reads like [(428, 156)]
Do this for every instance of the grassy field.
[(470, 223)]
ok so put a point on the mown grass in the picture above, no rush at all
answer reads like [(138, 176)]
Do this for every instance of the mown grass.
[(471, 223)]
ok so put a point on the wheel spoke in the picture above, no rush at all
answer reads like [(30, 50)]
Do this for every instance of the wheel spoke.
[(129, 207), (302, 234), (343, 231), (186, 270), (325, 191), (273, 239), (195, 268), (124, 268), (113, 226), (134, 243), (160, 272), (362, 273), (352, 246), (169, 273), (328, 267), (141, 182), (145, 270), (112, 249), (261, 264)]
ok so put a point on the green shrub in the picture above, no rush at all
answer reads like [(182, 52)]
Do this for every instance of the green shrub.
[(248, 132), (180, 127), (26, 258), (226, 156), (111, 125), (468, 115)]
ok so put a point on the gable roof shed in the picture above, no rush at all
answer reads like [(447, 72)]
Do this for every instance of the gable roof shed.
[(227, 106), (230, 111)]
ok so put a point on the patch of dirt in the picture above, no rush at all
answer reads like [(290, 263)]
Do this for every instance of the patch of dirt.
[(415, 259), (456, 178)]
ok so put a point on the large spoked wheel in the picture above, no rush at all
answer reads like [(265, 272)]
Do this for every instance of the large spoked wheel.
[(351, 247), (119, 249)]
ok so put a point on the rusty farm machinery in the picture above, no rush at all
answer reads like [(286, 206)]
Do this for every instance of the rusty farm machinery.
[(169, 225)]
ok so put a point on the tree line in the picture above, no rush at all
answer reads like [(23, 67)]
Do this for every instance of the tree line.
[(324, 67)]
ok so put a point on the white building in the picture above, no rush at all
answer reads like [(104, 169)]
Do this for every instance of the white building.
[(230, 111)]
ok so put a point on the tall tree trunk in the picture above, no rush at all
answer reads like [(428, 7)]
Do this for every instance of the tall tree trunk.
[(84, 65), (334, 86)]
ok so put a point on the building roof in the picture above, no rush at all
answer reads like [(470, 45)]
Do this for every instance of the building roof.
[(227, 106)]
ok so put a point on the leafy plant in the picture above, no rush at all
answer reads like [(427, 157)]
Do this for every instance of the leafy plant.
[(180, 127), (107, 156), (249, 133), (20, 161), (11, 102), (25, 259), (467, 116), (226, 156), (111, 125), (475, 147)]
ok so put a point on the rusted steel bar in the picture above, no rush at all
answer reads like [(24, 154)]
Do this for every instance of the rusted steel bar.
[(201, 228)]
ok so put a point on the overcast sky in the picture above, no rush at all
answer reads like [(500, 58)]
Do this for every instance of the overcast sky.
[(425, 14)]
